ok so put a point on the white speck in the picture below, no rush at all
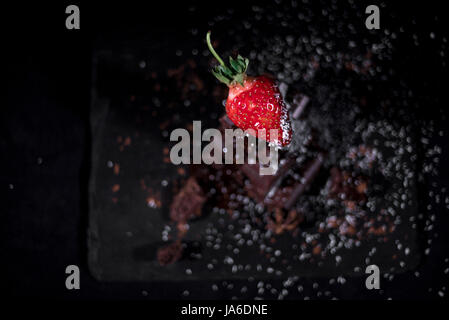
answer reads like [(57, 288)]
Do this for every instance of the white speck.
[(152, 204), (228, 260)]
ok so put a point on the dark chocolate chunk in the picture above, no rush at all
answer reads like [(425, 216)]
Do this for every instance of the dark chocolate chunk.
[(187, 204), (263, 185), (299, 104), (307, 177), (226, 123)]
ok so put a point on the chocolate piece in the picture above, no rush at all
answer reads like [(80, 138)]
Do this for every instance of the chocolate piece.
[(272, 190), (226, 123), (170, 253), (288, 192), (188, 203), (309, 174), (262, 186), (300, 102)]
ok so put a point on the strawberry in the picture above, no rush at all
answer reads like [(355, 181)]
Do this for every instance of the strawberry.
[(253, 102)]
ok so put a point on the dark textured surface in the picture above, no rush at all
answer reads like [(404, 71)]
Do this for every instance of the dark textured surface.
[(125, 232), (46, 115)]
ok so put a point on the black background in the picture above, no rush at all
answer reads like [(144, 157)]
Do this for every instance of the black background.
[(45, 146)]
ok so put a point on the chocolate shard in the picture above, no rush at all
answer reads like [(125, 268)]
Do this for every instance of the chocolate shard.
[(187, 204), (226, 123), (271, 190), (299, 104), (307, 177), (262, 186)]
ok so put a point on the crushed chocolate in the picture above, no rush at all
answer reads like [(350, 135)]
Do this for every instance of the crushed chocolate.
[(187, 204), (284, 221), (343, 185)]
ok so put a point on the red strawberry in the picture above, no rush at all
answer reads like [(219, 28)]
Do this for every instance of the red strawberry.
[(253, 102)]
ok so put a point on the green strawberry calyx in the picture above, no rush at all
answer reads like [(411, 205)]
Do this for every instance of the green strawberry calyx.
[(235, 73)]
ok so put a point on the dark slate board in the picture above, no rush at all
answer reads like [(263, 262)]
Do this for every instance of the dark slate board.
[(125, 234)]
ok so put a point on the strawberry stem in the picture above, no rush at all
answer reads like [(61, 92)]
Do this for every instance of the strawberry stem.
[(211, 48), (235, 73)]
